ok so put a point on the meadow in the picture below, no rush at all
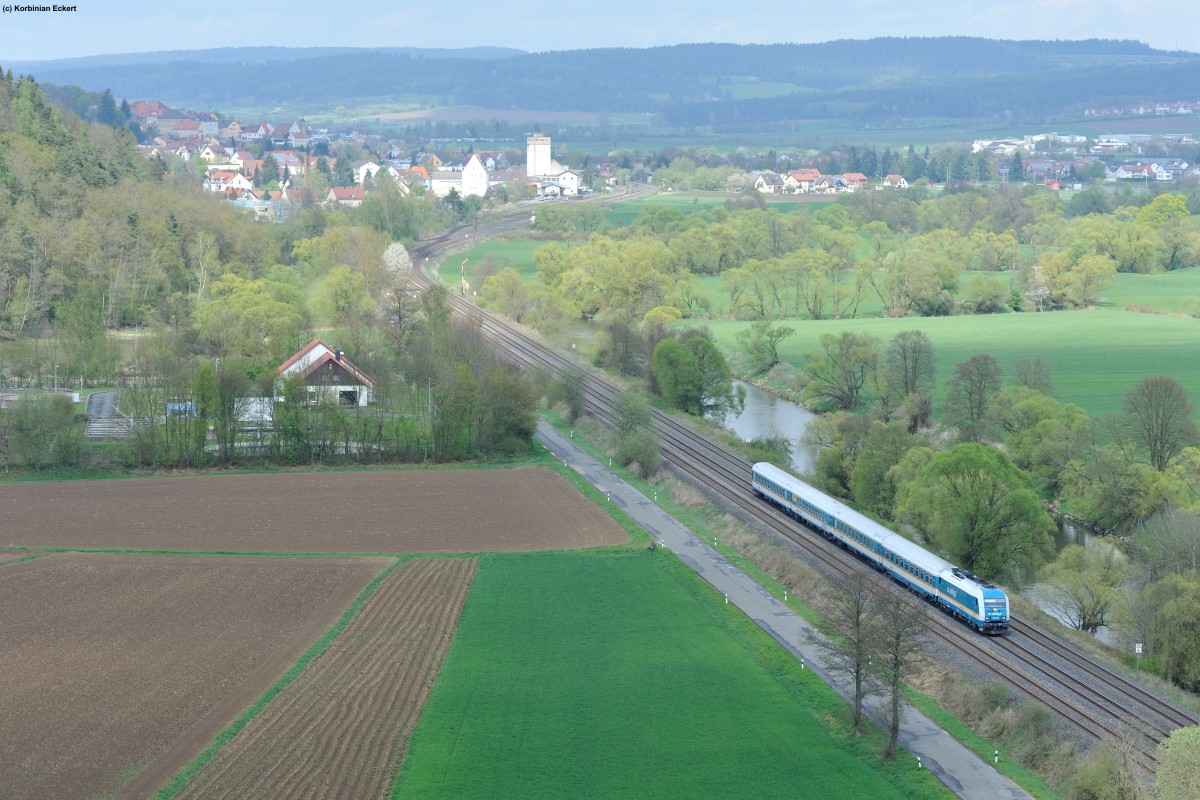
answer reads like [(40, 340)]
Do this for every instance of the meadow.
[(605, 674), (1095, 356), (500, 254), (1140, 327)]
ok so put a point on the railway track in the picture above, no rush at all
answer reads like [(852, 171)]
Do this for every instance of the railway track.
[(1092, 698)]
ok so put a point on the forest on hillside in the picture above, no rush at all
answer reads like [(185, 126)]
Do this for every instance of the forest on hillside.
[(116, 270), (869, 81)]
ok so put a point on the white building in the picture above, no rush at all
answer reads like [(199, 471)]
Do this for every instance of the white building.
[(474, 178), (550, 177), (471, 181), (328, 375), (538, 162)]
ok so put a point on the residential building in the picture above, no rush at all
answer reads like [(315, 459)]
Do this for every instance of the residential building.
[(328, 375)]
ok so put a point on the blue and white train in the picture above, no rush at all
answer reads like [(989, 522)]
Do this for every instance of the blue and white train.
[(960, 593)]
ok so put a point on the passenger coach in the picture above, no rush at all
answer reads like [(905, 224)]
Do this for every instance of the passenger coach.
[(955, 590)]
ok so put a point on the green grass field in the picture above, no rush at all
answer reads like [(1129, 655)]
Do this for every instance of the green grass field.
[(1173, 292), (1095, 356), (621, 675), (502, 254)]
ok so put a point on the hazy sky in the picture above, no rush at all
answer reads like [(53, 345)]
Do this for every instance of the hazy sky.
[(125, 26)]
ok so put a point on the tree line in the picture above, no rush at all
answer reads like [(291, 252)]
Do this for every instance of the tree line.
[(874, 253)]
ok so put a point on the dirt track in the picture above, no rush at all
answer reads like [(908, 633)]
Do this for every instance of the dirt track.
[(115, 662), (395, 511), (336, 730)]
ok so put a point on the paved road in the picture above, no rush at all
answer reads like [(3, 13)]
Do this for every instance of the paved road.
[(102, 404), (961, 770)]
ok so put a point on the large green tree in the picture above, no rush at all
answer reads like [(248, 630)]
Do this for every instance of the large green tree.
[(694, 377), (1178, 775), (42, 431), (975, 505)]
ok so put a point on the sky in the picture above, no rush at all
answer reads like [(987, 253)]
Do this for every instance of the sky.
[(97, 27)]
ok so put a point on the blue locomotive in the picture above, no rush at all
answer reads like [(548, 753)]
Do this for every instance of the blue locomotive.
[(960, 593)]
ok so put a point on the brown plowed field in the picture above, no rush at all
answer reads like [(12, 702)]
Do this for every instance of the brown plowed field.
[(115, 665), (335, 731), (400, 511)]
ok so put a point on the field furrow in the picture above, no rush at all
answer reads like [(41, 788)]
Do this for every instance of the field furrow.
[(371, 753), (338, 729), (120, 668)]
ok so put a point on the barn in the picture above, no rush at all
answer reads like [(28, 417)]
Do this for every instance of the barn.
[(328, 374)]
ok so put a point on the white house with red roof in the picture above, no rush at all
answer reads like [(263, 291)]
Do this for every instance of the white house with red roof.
[(801, 181), (351, 196), (328, 375), (221, 181), (854, 181)]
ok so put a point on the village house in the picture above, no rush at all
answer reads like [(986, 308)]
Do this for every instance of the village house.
[(224, 181), (255, 133), (1136, 172), (181, 128), (215, 154), (327, 375), (146, 112), (854, 181), (769, 183), (800, 181), (363, 170), (349, 196)]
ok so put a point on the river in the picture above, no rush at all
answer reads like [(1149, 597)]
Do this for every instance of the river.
[(768, 414)]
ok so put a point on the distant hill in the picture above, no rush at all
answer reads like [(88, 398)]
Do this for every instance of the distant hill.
[(43, 70), (868, 81)]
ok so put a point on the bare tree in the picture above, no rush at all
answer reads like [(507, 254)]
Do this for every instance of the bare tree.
[(897, 646), (910, 363), (838, 374), (970, 396), (908, 378), (853, 611), (1157, 421), (1085, 586), (1034, 373), (1170, 542)]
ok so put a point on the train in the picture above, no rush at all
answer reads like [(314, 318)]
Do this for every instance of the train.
[(954, 590)]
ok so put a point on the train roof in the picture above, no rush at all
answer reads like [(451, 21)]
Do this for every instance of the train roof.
[(893, 541)]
